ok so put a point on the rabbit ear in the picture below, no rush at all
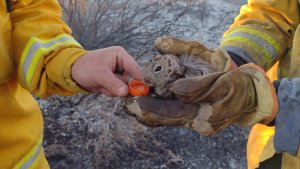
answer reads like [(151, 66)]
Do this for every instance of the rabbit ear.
[(195, 66)]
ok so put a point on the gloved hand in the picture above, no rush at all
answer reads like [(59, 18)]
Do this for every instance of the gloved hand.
[(218, 58), (211, 102)]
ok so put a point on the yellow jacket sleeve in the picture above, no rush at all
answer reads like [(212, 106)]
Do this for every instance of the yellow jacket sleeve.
[(43, 48), (263, 31)]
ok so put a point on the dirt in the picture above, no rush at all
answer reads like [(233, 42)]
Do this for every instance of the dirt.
[(93, 132)]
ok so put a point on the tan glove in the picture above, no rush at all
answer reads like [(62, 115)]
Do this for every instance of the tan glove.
[(219, 59), (211, 102)]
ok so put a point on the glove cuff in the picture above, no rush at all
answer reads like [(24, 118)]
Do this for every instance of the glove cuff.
[(267, 101), (222, 61)]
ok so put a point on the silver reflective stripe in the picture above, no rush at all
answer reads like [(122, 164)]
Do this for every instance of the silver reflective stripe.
[(38, 45), (30, 162), (271, 50)]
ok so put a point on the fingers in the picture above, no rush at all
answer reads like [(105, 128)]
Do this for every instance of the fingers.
[(154, 112), (197, 89), (125, 77), (101, 90), (106, 92), (165, 45), (116, 84), (112, 84), (175, 108), (174, 46), (126, 62)]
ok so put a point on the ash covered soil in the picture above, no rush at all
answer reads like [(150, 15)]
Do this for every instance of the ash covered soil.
[(94, 132)]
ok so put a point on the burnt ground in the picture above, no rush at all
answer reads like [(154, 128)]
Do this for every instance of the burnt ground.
[(92, 131)]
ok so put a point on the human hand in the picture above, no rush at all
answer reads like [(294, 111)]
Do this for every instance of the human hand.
[(106, 71)]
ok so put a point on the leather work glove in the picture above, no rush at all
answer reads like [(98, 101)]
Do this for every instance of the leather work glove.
[(211, 102), (218, 58)]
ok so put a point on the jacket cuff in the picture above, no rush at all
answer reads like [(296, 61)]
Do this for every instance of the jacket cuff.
[(45, 66), (257, 45), (59, 68), (67, 73)]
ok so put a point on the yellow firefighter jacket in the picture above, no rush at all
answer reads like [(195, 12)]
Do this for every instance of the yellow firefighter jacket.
[(267, 32), (36, 53)]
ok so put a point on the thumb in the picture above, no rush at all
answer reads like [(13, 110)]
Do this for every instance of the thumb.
[(113, 84), (196, 89), (129, 65), (178, 47)]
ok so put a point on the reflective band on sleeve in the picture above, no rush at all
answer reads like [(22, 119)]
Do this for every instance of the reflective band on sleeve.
[(29, 160), (36, 49), (261, 50), (268, 46)]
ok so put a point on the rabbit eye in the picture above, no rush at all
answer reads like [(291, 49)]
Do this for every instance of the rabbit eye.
[(157, 69)]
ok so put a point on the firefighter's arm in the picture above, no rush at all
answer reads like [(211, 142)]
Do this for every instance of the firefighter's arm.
[(262, 32), (44, 49)]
